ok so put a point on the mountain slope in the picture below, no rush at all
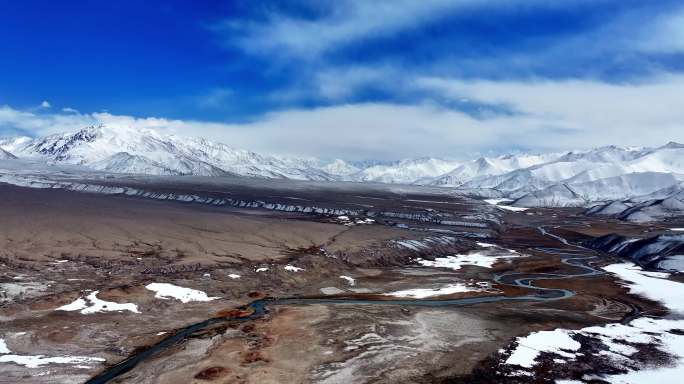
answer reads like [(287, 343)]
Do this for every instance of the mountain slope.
[(4, 155), (580, 178), (405, 171), (481, 168), (127, 150)]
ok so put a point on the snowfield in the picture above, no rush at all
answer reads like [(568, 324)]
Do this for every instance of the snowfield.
[(36, 361), (484, 259), (91, 304), (653, 285), (496, 203), (292, 268), (577, 178), (620, 339), (185, 295), (421, 293)]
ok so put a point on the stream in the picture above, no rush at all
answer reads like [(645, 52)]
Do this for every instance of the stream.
[(258, 308)]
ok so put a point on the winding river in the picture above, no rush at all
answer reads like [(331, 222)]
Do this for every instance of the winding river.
[(572, 257)]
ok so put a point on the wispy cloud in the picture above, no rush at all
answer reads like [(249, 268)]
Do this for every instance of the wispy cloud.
[(546, 115), (346, 21)]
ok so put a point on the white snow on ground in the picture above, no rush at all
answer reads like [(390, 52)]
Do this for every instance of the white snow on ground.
[(35, 361), (76, 305), (292, 268), (483, 259), (643, 330), (653, 285), (512, 208), (166, 290), (420, 293), (530, 346), (677, 229), (485, 245), (234, 276), (495, 202), (97, 305), (349, 279), (261, 269)]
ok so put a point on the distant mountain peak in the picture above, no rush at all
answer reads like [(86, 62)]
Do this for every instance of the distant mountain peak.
[(673, 145)]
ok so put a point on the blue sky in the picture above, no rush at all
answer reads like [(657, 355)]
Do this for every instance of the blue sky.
[(350, 78)]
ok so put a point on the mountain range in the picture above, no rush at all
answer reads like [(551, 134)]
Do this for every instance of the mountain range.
[(577, 178)]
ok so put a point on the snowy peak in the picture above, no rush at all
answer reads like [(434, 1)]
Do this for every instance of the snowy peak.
[(340, 167), (59, 147), (494, 166), (571, 178), (406, 171), (125, 149), (672, 145), (11, 144)]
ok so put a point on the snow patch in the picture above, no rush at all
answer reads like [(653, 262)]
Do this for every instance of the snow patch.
[(76, 305), (529, 347), (616, 337), (292, 268), (185, 295), (496, 203), (97, 305), (349, 279), (653, 285), (485, 259), (35, 361), (420, 293)]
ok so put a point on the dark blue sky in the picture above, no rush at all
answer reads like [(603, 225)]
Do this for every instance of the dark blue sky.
[(168, 58), (240, 62)]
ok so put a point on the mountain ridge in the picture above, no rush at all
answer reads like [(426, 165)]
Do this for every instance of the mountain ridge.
[(573, 178)]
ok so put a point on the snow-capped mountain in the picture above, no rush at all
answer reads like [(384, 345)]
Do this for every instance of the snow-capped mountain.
[(484, 166), (340, 167), (124, 149), (578, 178), (581, 178), (405, 171), (662, 204), (10, 144)]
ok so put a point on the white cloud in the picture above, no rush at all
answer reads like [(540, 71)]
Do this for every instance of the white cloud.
[(45, 104), (665, 34), (550, 115), (644, 113), (347, 21), (340, 83), (69, 110)]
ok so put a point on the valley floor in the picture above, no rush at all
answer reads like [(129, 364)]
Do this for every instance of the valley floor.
[(88, 280)]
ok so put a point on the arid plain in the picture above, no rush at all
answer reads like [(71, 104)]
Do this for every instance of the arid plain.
[(98, 279)]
